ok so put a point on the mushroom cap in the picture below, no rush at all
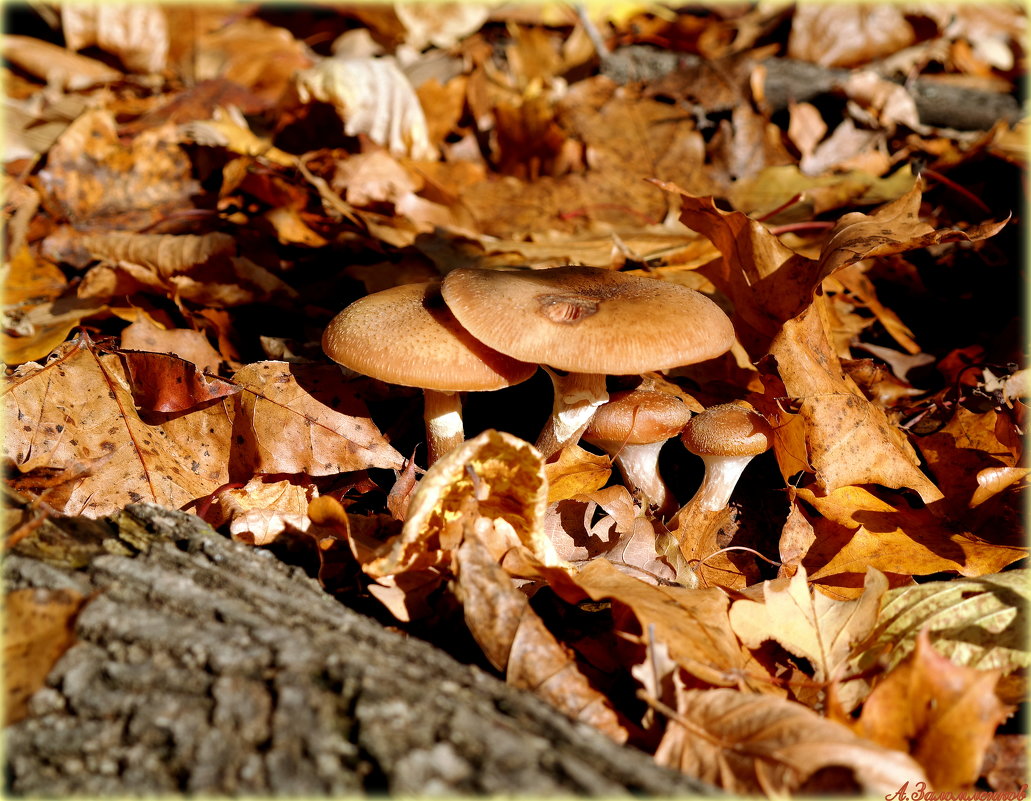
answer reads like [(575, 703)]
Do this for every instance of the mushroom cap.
[(407, 335), (729, 429), (588, 319), (638, 417)]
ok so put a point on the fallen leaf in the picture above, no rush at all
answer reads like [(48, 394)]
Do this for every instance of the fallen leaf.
[(941, 713), (96, 179), (137, 34), (185, 343), (692, 623), (78, 408), (261, 510), (506, 477), (749, 744), (302, 419), (166, 383), (575, 472), (844, 36), (55, 65), (979, 623), (808, 623), (373, 97), (38, 629), (857, 529), (516, 641)]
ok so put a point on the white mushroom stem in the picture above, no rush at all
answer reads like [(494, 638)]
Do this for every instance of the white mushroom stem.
[(444, 428), (577, 398), (721, 475), (639, 465)]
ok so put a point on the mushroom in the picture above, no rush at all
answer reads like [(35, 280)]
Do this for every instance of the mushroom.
[(407, 335), (727, 437), (589, 322), (632, 428)]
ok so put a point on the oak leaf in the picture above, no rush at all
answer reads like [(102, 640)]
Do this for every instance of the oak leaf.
[(748, 744), (944, 714)]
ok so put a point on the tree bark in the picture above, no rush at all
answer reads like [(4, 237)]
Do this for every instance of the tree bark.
[(205, 666)]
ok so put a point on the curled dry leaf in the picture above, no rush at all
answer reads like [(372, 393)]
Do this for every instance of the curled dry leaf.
[(38, 628), (293, 418), (137, 33), (980, 623), (164, 383), (856, 530), (943, 714), (503, 474), (513, 637), (78, 408), (372, 97), (261, 510), (761, 744), (808, 623)]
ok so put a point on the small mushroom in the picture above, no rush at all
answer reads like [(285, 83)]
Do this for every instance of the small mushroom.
[(727, 437), (632, 428), (407, 335), (589, 322)]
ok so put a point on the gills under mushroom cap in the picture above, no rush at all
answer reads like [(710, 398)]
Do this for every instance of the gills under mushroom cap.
[(407, 335), (587, 319)]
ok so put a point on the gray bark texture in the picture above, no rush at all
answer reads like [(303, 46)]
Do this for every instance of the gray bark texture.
[(203, 666)]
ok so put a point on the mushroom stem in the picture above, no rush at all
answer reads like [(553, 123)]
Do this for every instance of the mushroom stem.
[(639, 465), (577, 397), (444, 428), (721, 475)]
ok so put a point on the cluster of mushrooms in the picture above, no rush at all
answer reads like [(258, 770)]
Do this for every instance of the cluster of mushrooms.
[(482, 330)]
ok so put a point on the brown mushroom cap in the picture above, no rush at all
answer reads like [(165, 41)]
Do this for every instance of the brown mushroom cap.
[(658, 417), (729, 429), (587, 319), (407, 335)]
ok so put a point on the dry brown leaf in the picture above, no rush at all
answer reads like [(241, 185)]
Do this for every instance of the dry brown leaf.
[(848, 440), (749, 744), (293, 418), (34, 333), (513, 637), (373, 97), (808, 623), (185, 343), (440, 24), (576, 472), (943, 714), (857, 530), (93, 177), (261, 510), (695, 547), (38, 628), (692, 623), (78, 408), (506, 477), (55, 65), (136, 33), (847, 35)]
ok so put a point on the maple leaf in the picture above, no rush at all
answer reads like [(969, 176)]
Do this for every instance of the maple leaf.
[(943, 714), (575, 472), (808, 623)]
